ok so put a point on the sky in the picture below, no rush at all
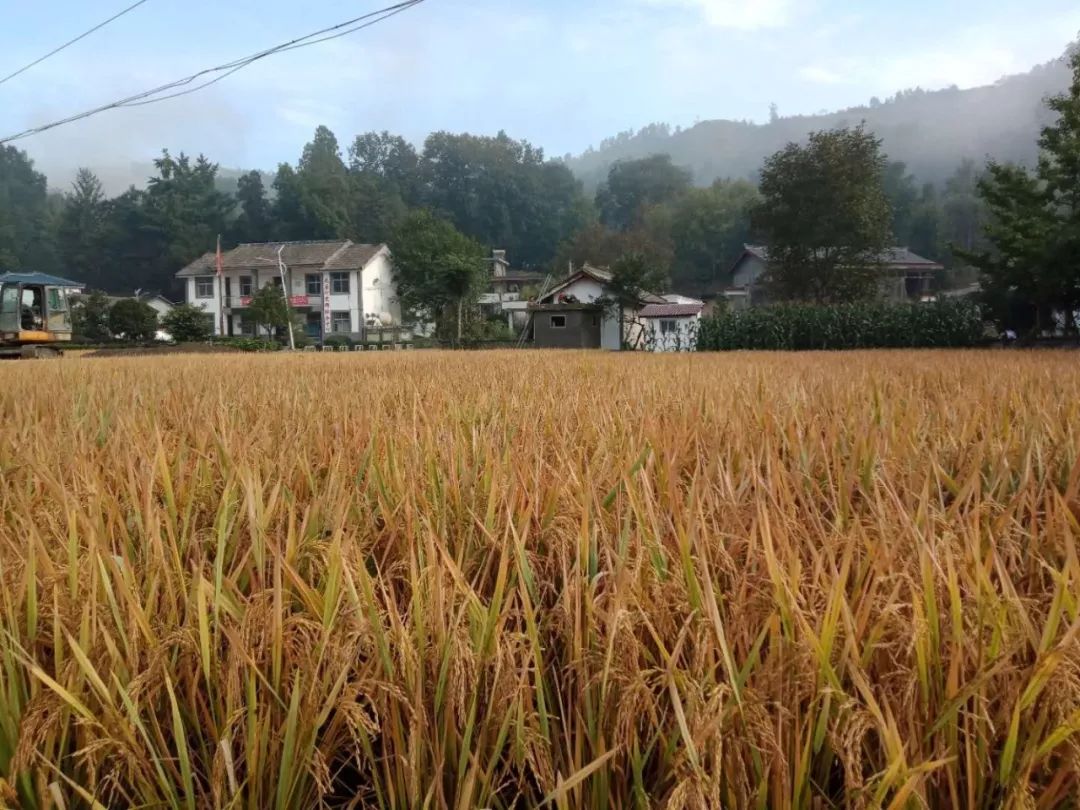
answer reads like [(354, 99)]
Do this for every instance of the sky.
[(562, 73)]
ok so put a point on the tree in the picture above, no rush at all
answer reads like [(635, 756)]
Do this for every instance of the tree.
[(187, 324), (825, 217), (631, 276), (602, 247), (709, 227), (439, 271), (324, 187), (503, 193), (90, 317), (26, 241), (268, 309), (390, 158), (634, 186), (963, 211), (181, 214), (1034, 227), (256, 220), (132, 319), (82, 230)]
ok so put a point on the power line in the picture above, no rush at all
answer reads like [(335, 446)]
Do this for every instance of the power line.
[(154, 95), (71, 42)]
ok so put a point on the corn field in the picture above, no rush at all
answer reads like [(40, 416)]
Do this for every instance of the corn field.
[(523, 579)]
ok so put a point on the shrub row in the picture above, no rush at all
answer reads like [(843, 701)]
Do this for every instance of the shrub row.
[(800, 327)]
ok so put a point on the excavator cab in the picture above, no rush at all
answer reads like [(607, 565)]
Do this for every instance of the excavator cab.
[(35, 314)]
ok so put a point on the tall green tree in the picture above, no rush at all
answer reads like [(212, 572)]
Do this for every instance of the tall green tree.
[(392, 159), (1034, 226), (634, 186), (26, 224), (90, 317), (439, 272), (600, 246), (324, 187), (82, 231), (963, 210), (503, 193), (255, 220), (183, 211), (825, 217), (709, 227)]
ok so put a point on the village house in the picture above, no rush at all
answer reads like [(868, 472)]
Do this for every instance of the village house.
[(906, 277), (337, 287), (578, 313), (507, 291), (159, 303)]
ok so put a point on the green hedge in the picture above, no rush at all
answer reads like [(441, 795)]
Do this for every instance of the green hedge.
[(800, 327)]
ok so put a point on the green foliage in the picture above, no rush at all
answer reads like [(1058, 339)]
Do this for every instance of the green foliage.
[(860, 325), (268, 308), (1034, 228), (825, 217), (709, 228), (246, 344), (255, 221), (133, 320), (600, 246), (90, 317), (25, 218), (438, 271), (187, 324), (633, 186), (83, 230)]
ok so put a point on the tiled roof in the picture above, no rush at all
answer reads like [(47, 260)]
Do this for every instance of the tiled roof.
[(338, 254), (670, 310), (897, 257)]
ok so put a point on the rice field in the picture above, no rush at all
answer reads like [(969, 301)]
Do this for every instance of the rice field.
[(512, 580)]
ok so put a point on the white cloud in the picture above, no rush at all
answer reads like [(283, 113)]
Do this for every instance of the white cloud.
[(743, 15), (819, 74)]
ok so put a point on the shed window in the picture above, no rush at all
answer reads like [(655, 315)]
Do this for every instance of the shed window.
[(558, 321), (668, 327)]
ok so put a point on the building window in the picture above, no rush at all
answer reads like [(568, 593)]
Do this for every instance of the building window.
[(313, 324), (513, 288), (668, 327), (247, 288), (339, 283), (247, 327), (313, 284), (204, 287), (211, 322), (340, 322), (558, 321)]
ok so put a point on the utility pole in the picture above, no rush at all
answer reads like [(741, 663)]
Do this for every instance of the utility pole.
[(285, 293)]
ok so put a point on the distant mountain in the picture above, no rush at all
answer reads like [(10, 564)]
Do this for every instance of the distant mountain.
[(931, 131)]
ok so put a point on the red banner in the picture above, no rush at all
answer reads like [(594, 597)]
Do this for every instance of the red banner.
[(298, 301)]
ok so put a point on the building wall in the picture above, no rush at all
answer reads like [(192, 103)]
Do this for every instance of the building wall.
[(379, 292), (582, 330), (747, 271), (684, 339)]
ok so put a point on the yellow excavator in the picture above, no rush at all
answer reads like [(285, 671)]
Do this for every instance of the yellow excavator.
[(35, 314)]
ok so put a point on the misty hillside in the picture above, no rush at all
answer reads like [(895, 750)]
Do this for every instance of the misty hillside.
[(930, 131)]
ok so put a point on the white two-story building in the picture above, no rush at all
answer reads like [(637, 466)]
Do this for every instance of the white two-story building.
[(337, 287)]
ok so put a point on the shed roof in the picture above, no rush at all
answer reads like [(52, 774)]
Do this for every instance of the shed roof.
[(670, 310), (39, 278), (336, 254)]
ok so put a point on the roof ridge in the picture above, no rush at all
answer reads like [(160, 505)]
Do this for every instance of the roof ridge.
[(337, 253)]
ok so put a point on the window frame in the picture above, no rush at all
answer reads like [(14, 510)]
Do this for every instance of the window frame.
[(337, 317), (313, 283), (200, 282), (337, 276), (669, 326), (246, 286), (555, 325)]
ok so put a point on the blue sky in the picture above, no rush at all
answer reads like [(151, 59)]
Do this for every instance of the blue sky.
[(561, 73)]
